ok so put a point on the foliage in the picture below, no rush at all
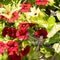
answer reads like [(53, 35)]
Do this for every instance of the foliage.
[(43, 17)]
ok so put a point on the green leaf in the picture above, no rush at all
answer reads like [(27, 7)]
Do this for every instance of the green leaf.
[(56, 46), (7, 38), (5, 1), (54, 39), (51, 2), (57, 56), (24, 58), (1, 56), (41, 22), (46, 51), (33, 54), (24, 44), (54, 30), (50, 22), (22, 16), (2, 25), (1, 38), (48, 54), (31, 30), (58, 15), (5, 56)]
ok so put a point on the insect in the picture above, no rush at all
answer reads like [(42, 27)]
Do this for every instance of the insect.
[(39, 42)]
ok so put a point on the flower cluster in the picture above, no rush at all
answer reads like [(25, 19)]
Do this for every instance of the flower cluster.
[(12, 49), (24, 25), (21, 34)]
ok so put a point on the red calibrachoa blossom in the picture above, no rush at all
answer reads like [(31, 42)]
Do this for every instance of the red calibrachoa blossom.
[(14, 17), (12, 47), (2, 47), (21, 35), (23, 26), (25, 51), (0, 17), (41, 2), (10, 20), (12, 32), (5, 31), (14, 57), (3, 18), (41, 32), (25, 7), (31, 24)]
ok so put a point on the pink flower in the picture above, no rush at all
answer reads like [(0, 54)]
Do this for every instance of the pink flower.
[(41, 32), (41, 2), (25, 51), (14, 17), (12, 47), (2, 47), (25, 7), (3, 18), (23, 26), (10, 20), (21, 35)]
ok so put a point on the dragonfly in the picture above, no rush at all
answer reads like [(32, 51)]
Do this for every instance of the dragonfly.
[(37, 41)]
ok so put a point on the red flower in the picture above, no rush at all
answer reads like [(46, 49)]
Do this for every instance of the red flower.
[(2, 47), (25, 51), (5, 31), (41, 2), (25, 7), (32, 24), (23, 26), (10, 20), (21, 35), (14, 17), (14, 57), (12, 47), (39, 33), (12, 32), (1, 17)]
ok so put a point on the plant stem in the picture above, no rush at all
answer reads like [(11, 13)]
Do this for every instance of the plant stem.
[(56, 7)]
